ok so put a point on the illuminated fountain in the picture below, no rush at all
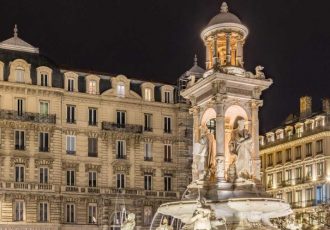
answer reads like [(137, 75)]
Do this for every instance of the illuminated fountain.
[(226, 191)]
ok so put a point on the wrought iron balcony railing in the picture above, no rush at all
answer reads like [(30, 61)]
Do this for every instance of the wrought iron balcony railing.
[(30, 117), (112, 126)]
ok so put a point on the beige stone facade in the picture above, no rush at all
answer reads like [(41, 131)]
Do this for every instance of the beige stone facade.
[(296, 161), (76, 147)]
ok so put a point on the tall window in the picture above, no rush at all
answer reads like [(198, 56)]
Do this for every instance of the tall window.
[(298, 152), (44, 107), (270, 181), (309, 171), (309, 194), (288, 175), (70, 213), (92, 179), (92, 213), (319, 146), (121, 119), (121, 149), (270, 159), (43, 142), (167, 153), (298, 196), (71, 144), (167, 124), (70, 177), (319, 194), (320, 169), (92, 147), (147, 122), (70, 114), (19, 210), (167, 95), (298, 173), (147, 151), (20, 107), (120, 181), (43, 175), (147, 94), (19, 140), (92, 87), (167, 183), (70, 84), (289, 197), (19, 72), (19, 173), (121, 89), (308, 149), (279, 157), (44, 79), (43, 212), (147, 181), (288, 154), (279, 178), (92, 119)]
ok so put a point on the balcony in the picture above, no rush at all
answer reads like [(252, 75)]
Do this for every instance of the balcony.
[(148, 158), (70, 152), (147, 129), (112, 126), (93, 190), (29, 117), (27, 186), (71, 189)]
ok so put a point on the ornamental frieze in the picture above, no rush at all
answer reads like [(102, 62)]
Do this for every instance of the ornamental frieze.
[(70, 165), (121, 167), (19, 160), (168, 171), (147, 170), (43, 162), (92, 167)]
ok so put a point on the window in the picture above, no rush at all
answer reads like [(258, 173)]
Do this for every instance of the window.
[(299, 131), (308, 149), (298, 152), (279, 157), (309, 126), (167, 124), (319, 146), (299, 196), (92, 179), (309, 171), (20, 107), (298, 173), (148, 122), (70, 114), (43, 175), (320, 169), (19, 72), (92, 87), (289, 197), (19, 140), (121, 119), (44, 107), (167, 98), (92, 147), (70, 177), (70, 84), (288, 175), (288, 154), (43, 142), (92, 213), (43, 211), (279, 196), (19, 173), (147, 181), (147, 94), (319, 194), (167, 183), (270, 159), (121, 149), (92, 119), (71, 144), (270, 181), (44, 79), (19, 210), (279, 178), (167, 153), (147, 151), (120, 181), (70, 213), (121, 89), (309, 194)]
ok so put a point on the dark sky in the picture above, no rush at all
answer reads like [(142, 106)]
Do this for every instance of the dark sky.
[(157, 39)]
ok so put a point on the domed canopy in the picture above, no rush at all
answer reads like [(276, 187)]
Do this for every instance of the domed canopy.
[(224, 17)]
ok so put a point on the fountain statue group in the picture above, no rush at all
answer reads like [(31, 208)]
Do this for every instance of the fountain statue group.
[(240, 145)]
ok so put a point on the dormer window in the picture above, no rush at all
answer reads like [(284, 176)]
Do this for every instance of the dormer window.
[(92, 87), (147, 94), (71, 81), (19, 73), (121, 89), (70, 84), (44, 76), (167, 93)]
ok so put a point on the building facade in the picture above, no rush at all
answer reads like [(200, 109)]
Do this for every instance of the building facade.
[(296, 161), (78, 149)]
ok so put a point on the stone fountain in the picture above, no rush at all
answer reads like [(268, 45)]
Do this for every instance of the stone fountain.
[(226, 192)]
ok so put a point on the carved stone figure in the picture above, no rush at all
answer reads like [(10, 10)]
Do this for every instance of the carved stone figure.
[(200, 219), (129, 223), (240, 145), (164, 225), (259, 73), (192, 80)]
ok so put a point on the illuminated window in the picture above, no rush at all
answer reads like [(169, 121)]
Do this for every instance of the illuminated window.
[(19, 73), (92, 87), (309, 171), (44, 107), (147, 94), (121, 89)]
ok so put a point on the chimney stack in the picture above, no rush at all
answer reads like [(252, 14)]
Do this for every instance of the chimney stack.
[(305, 106), (326, 105)]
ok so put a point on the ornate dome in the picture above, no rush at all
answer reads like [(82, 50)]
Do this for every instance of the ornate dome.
[(224, 17)]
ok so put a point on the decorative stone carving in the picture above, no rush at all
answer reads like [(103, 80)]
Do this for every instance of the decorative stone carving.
[(19, 160), (148, 170), (92, 167), (129, 223), (121, 167), (47, 162), (259, 73), (164, 225), (70, 165)]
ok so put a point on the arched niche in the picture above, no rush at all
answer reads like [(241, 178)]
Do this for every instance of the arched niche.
[(208, 114)]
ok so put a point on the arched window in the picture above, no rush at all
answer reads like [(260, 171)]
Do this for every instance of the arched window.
[(120, 89), (19, 74)]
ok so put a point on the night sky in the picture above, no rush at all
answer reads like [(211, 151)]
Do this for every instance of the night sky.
[(157, 39)]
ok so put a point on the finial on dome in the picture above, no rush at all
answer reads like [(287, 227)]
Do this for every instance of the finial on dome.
[(15, 31), (224, 8), (195, 60)]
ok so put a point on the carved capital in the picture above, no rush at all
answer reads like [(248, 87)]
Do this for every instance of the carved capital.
[(194, 110)]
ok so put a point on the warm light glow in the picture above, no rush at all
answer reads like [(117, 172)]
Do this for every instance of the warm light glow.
[(328, 178)]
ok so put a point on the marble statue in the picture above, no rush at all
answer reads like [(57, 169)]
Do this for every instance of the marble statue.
[(129, 223), (200, 219), (164, 225), (240, 146), (259, 73)]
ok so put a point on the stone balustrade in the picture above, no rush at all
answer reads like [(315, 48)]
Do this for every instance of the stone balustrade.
[(28, 117), (112, 126)]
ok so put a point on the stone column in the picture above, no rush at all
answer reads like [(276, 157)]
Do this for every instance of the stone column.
[(239, 54), (215, 50), (220, 138), (228, 52), (207, 55), (195, 112), (255, 104)]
